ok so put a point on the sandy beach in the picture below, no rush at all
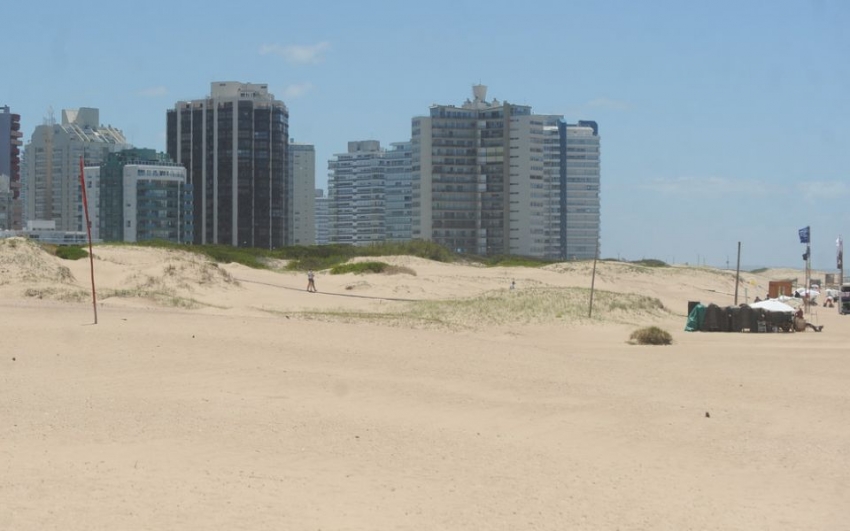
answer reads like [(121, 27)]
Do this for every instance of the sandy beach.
[(219, 397)]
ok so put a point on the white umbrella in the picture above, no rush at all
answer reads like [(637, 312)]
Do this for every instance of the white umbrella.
[(773, 305)]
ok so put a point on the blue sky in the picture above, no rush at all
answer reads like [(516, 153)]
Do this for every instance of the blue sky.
[(720, 121)]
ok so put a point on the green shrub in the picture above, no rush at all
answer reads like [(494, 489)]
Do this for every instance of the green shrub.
[(321, 257), (651, 336), (515, 261), (651, 262), (360, 268), (71, 252)]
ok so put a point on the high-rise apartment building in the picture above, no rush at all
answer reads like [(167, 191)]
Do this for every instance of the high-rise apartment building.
[(139, 195), (552, 182), (234, 147), (356, 189), (461, 163), (5, 202), (398, 186), (370, 193), (572, 180), (484, 179), (580, 186), (10, 170), (51, 176), (323, 230), (302, 194)]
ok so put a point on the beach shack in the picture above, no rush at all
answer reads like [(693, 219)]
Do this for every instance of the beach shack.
[(778, 288)]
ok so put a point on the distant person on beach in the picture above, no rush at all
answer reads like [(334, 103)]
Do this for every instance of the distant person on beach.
[(311, 283)]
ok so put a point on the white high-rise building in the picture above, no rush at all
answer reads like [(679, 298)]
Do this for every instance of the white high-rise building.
[(581, 219), (527, 201), (398, 186), (552, 184), (357, 196), (51, 168), (323, 231), (302, 194), (370, 193), (572, 180)]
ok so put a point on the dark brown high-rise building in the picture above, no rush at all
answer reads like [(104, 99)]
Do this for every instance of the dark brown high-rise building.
[(234, 147), (10, 169)]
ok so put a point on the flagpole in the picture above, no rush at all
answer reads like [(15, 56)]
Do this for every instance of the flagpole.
[(805, 235), (88, 231), (807, 299)]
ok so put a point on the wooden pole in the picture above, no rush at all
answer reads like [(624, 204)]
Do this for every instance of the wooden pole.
[(593, 280), (88, 231), (738, 273)]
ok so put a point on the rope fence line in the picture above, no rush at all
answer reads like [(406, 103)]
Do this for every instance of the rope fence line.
[(398, 299)]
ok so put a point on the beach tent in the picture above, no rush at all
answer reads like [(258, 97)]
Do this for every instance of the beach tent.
[(775, 314), (773, 305), (695, 319)]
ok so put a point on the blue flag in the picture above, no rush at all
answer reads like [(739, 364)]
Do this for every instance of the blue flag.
[(804, 235)]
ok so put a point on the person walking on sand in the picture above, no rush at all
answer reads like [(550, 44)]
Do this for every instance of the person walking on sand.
[(311, 283)]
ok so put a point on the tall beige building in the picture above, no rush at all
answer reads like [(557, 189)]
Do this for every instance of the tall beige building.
[(302, 194), (51, 166), (492, 178), (477, 174)]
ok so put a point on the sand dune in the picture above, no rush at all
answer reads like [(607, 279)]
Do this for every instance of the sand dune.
[(215, 396)]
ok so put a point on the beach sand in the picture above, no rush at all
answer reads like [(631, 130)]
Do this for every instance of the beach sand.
[(221, 397)]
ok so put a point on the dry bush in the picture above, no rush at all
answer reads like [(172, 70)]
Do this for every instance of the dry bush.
[(651, 335), (400, 270)]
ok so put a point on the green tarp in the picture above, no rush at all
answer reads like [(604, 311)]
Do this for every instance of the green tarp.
[(696, 319)]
